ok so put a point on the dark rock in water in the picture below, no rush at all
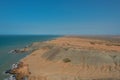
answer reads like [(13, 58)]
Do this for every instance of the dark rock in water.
[(8, 71)]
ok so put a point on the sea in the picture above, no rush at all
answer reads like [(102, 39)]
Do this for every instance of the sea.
[(11, 42)]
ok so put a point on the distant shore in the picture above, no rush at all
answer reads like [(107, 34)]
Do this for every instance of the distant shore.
[(72, 58)]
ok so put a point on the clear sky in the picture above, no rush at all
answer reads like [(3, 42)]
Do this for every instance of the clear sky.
[(60, 17)]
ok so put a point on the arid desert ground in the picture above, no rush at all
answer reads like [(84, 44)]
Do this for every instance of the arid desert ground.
[(73, 58)]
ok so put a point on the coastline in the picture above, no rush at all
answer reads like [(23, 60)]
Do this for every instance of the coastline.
[(16, 42), (59, 59)]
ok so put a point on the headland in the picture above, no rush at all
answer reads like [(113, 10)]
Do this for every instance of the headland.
[(72, 58)]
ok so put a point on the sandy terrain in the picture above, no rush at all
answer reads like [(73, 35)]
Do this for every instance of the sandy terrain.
[(74, 58)]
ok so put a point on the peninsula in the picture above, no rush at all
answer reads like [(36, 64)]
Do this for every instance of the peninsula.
[(72, 58)]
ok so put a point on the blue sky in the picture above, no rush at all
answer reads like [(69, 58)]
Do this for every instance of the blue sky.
[(81, 17)]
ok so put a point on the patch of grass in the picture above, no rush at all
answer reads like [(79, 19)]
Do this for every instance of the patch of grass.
[(113, 44), (93, 43), (66, 60), (116, 44), (109, 44), (66, 49)]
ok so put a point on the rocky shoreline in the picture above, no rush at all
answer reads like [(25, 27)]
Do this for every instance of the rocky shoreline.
[(16, 69), (17, 72), (23, 50)]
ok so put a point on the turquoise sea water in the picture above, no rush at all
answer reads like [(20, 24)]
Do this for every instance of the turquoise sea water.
[(10, 42)]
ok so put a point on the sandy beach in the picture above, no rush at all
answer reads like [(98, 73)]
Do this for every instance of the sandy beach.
[(73, 58)]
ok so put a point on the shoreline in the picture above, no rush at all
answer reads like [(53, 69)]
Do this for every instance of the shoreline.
[(49, 55), (19, 51)]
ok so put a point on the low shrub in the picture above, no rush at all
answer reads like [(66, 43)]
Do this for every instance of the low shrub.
[(66, 60), (93, 43)]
